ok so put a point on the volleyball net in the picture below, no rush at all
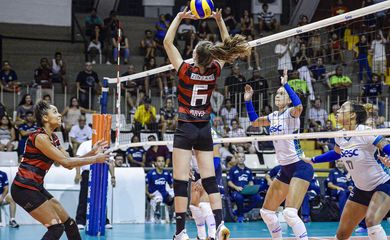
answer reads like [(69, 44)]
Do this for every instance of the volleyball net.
[(329, 63)]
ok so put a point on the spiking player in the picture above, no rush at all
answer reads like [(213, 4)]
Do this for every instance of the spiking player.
[(295, 175), (196, 84), (370, 199)]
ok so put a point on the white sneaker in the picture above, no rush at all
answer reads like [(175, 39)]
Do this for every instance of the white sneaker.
[(108, 226), (80, 226), (223, 233), (182, 236)]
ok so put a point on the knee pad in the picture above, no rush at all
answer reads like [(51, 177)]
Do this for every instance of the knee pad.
[(269, 217), (71, 230), (54, 232), (180, 188), (210, 185), (206, 209), (291, 216)]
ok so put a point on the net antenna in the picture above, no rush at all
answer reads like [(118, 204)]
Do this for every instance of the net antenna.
[(118, 90), (257, 42)]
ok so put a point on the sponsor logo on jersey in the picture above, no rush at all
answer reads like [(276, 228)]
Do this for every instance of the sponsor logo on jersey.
[(243, 178), (198, 77), (197, 113), (275, 128), (160, 181), (350, 153)]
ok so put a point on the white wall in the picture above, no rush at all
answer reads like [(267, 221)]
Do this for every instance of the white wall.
[(41, 12)]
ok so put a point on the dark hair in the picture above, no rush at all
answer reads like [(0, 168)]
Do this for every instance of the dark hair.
[(360, 111), (47, 95), (228, 99), (57, 53), (29, 112), (147, 100), (265, 5), (9, 121), (228, 51), (134, 136), (40, 110), (71, 100), (23, 101), (148, 31)]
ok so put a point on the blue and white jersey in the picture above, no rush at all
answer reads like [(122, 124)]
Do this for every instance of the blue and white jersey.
[(3, 181), (287, 151), (359, 157), (240, 177), (157, 181)]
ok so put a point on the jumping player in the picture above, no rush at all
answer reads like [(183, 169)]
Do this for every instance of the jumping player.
[(196, 84), (370, 199), (294, 178), (42, 150)]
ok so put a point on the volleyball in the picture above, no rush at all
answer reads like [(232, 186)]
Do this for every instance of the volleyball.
[(202, 8)]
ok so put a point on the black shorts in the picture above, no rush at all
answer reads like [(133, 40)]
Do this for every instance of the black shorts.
[(29, 199), (364, 197), (196, 136)]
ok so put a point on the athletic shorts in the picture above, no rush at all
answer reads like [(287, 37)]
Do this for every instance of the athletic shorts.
[(298, 169), (195, 136), (364, 197), (29, 199)]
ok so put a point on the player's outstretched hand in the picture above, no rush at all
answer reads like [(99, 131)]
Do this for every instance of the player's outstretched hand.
[(186, 14), (284, 79), (103, 157), (307, 160), (248, 93), (217, 15), (99, 147), (385, 160)]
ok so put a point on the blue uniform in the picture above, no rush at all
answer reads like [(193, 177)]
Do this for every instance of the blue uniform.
[(274, 171), (3, 181), (137, 153), (157, 182), (22, 142), (313, 191), (339, 178), (242, 177)]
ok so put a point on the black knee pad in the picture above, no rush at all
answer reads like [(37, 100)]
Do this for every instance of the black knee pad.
[(180, 188), (71, 230), (54, 232), (210, 185)]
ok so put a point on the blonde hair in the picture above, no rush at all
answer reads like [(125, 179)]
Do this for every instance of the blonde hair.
[(228, 51)]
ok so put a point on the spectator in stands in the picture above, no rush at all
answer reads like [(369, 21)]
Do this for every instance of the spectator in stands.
[(124, 47), (6, 198), (216, 101), (267, 20), (156, 151), (374, 120), (339, 184), (326, 144), (91, 21), (230, 21), (205, 33), (156, 181), (247, 26), (80, 133), (362, 58), (332, 117), (145, 116), (135, 90), (269, 177), (237, 131), (87, 85), (316, 44), (185, 29), (191, 40), (58, 69), (254, 56), (313, 192), (151, 64), (304, 37), (238, 178), (234, 84), (148, 45), (378, 49), (227, 157), (229, 112), (3, 110), (283, 51), (335, 44), (43, 78), (111, 25), (317, 115), (7, 135), (303, 59), (168, 117), (119, 161), (47, 98), (339, 8), (318, 70), (339, 84), (8, 78), (95, 47), (162, 27), (72, 113), (261, 85), (136, 155), (168, 78), (25, 105), (372, 92), (25, 130), (218, 126)]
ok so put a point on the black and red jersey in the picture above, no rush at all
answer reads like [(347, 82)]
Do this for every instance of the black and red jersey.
[(194, 91), (35, 164)]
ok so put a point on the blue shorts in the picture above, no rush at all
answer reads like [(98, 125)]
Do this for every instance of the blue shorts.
[(298, 169), (364, 197)]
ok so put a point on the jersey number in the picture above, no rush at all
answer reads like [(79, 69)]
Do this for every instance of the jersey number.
[(196, 96), (349, 163)]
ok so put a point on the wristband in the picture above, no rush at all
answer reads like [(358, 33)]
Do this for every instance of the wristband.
[(251, 111), (293, 96)]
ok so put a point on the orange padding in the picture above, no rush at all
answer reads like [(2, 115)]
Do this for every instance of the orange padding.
[(101, 127)]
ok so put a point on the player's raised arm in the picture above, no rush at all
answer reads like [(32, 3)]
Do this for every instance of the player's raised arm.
[(296, 102), (253, 117)]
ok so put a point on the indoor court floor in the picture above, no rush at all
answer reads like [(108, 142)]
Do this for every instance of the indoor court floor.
[(242, 231)]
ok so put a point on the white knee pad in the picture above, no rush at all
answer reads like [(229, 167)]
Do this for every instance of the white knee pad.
[(206, 209), (291, 216), (268, 216)]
